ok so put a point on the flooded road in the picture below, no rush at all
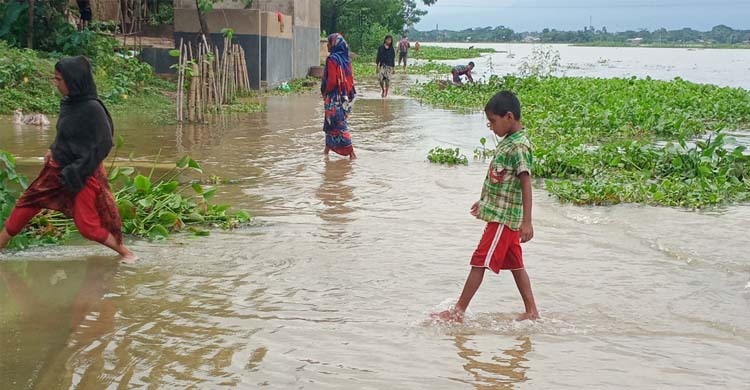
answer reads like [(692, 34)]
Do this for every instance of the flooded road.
[(332, 286)]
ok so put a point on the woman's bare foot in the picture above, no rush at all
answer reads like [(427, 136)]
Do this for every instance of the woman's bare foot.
[(528, 316), (128, 258)]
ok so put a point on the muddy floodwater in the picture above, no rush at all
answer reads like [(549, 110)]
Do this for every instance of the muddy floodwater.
[(333, 284)]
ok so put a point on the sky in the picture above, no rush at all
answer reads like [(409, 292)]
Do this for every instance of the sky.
[(616, 15)]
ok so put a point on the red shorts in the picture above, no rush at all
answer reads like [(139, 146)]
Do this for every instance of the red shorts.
[(499, 248)]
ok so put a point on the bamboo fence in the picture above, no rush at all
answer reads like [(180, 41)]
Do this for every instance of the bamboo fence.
[(208, 78)]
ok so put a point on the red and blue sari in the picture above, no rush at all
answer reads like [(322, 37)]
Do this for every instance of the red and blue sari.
[(338, 89)]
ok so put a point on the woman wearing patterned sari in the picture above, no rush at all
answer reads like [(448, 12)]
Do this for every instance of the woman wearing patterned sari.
[(338, 90)]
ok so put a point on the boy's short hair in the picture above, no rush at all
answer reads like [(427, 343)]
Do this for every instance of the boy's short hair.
[(504, 102), (471, 63)]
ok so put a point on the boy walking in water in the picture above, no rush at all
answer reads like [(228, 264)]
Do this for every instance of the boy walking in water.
[(505, 205)]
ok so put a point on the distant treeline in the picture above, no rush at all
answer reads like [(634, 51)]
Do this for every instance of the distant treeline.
[(718, 35)]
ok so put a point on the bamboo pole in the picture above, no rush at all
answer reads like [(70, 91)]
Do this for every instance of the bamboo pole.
[(180, 78), (244, 70), (199, 84), (192, 96)]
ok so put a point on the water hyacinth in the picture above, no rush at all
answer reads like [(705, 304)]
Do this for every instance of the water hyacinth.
[(602, 141), (150, 207)]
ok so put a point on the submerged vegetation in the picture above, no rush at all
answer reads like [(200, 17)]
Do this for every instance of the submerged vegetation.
[(150, 206), (607, 141), (447, 156)]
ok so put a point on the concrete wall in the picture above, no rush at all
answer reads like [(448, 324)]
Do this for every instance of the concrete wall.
[(288, 49), (306, 36), (277, 57), (306, 50), (307, 13)]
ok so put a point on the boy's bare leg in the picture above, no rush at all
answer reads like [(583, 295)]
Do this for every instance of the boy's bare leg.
[(128, 257), (326, 150), (524, 287), (4, 238), (473, 281), (352, 156)]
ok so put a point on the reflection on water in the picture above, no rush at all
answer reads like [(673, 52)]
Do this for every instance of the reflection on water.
[(51, 311), (335, 193), (502, 369)]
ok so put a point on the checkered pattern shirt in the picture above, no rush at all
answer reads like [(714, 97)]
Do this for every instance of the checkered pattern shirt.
[(501, 199)]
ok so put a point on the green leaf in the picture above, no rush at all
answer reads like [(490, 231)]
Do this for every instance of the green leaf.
[(198, 188), (127, 171), (200, 232), (182, 163), (113, 174), (174, 53), (168, 218), (208, 194), (194, 166), (126, 208), (146, 203), (158, 232), (174, 201), (142, 183), (242, 216), (196, 217), (169, 187), (221, 208), (120, 141)]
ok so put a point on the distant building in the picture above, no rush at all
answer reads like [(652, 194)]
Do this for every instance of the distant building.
[(635, 41), (531, 39)]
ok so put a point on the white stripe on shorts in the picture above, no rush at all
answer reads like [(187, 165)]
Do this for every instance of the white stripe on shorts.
[(495, 240)]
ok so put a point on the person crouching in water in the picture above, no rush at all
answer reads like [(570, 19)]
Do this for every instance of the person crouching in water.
[(73, 180), (462, 70)]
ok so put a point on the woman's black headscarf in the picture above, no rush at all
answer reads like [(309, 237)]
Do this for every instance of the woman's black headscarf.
[(84, 129)]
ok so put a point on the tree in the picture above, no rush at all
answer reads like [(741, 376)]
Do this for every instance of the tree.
[(206, 6), (362, 21)]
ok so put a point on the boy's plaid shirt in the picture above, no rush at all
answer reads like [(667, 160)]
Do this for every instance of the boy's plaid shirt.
[(501, 199)]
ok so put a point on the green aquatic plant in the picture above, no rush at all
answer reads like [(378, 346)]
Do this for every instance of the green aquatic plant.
[(150, 207), (606, 141), (447, 53), (447, 156)]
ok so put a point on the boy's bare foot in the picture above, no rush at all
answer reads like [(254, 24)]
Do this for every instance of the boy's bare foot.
[(528, 316), (128, 258), (451, 315)]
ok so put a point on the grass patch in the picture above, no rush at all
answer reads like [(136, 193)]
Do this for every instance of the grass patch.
[(447, 53), (595, 139), (368, 69)]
